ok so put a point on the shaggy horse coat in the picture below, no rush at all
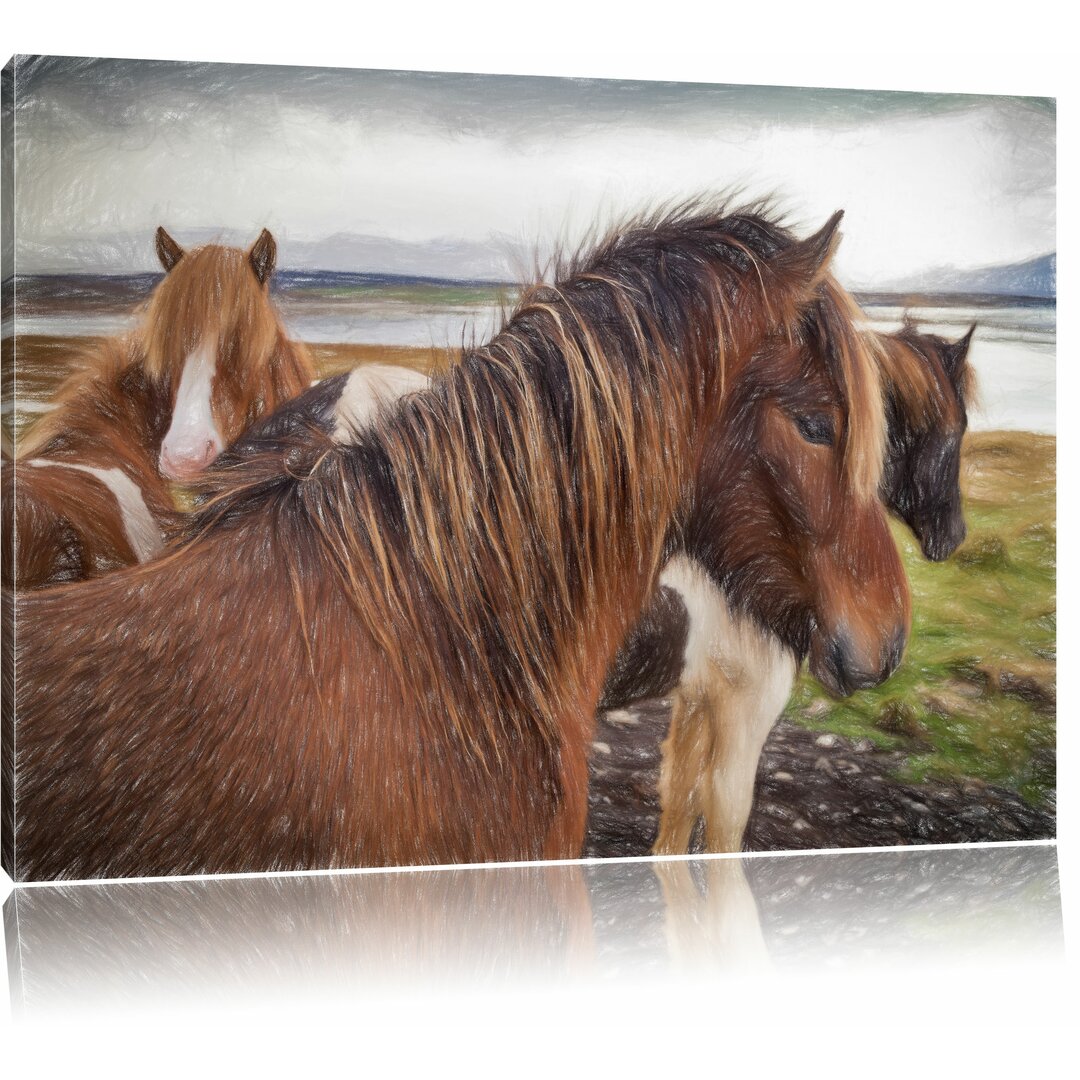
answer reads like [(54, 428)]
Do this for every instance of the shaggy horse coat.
[(391, 652), (89, 492)]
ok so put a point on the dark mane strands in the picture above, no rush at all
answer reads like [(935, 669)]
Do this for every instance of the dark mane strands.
[(915, 360), (513, 520)]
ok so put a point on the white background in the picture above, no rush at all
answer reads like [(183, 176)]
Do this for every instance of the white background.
[(930, 1023)]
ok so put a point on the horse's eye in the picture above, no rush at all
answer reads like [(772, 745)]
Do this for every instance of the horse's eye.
[(816, 428)]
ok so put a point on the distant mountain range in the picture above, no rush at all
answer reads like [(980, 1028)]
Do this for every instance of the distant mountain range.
[(498, 258), (1033, 278)]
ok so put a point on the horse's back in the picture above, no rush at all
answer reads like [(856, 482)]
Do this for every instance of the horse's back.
[(155, 738)]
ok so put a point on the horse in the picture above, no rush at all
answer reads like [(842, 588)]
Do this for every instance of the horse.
[(729, 676), (440, 595), (729, 673), (89, 491)]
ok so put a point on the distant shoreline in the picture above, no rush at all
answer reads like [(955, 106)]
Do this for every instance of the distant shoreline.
[(39, 293), (976, 300)]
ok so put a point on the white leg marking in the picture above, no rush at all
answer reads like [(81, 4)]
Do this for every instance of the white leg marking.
[(746, 674), (140, 528), (367, 389), (193, 439)]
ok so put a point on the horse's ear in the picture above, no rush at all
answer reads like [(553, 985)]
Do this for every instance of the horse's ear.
[(169, 252), (804, 264), (262, 256), (909, 322), (956, 352)]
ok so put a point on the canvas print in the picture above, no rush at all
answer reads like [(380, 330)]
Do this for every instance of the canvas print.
[(238, 942), (419, 469)]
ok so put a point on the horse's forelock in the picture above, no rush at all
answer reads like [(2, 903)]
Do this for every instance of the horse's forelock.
[(856, 361), (212, 292)]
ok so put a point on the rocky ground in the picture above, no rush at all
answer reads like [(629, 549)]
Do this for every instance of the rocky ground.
[(814, 790)]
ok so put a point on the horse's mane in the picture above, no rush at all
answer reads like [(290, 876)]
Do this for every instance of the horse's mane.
[(913, 369), (852, 357), (513, 490)]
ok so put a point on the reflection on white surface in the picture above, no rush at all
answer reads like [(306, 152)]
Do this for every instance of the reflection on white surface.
[(243, 941)]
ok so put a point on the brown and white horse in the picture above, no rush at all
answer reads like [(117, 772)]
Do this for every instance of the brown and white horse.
[(391, 650), (729, 672), (89, 491)]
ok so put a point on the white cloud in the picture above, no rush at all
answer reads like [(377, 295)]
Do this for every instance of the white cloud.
[(966, 186)]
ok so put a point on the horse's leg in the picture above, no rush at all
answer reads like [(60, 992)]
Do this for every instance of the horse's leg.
[(683, 905), (685, 754), (720, 929), (742, 718)]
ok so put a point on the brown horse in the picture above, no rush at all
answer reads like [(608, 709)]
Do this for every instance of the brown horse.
[(729, 670), (391, 651), (89, 492)]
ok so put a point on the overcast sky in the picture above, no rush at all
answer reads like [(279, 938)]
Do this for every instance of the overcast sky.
[(459, 175)]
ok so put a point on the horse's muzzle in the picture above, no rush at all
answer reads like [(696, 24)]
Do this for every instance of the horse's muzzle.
[(941, 532), (186, 462), (842, 668)]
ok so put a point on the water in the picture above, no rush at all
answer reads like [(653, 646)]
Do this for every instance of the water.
[(1013, 352)]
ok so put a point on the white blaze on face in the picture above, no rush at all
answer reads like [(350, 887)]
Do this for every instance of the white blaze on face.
[(193, 440)]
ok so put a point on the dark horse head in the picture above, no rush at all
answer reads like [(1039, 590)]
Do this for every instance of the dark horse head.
[(928, 384), (786, 514)]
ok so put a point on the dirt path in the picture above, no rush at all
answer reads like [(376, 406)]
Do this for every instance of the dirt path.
[(814, 790)]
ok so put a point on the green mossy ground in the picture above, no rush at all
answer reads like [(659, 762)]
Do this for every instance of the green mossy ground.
[(975, 696)]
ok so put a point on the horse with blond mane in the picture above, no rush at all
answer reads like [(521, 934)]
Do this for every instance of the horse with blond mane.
[(89, 491), (440, 594)]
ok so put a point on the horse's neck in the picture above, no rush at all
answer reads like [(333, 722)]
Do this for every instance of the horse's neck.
[(107, 416), (554, 522), (292, 367)]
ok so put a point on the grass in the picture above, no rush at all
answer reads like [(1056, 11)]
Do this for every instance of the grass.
[(974, 698)]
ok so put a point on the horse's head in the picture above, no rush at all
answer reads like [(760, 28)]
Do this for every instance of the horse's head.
[(211, 336), (928, 384), (786, 514)]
